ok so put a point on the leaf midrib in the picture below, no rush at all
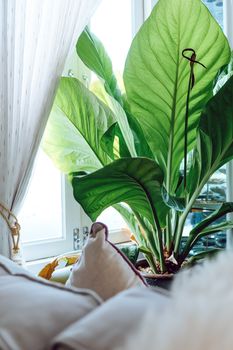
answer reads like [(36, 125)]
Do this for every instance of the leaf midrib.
[(172, 127), (98, 56)]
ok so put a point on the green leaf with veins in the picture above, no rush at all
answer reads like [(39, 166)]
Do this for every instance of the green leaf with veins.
[(173, 202), (135, 181), (215, 138), (156, 77), (93, 54), (113, 143), (66, 146), (204, 229), (77, 123)]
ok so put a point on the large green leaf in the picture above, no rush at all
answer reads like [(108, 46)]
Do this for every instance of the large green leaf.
[(140, 141), (122, 121), (156, 76), (223, 75), (113, 143), (206, 232), (66, 146), (94, 56), (223, 226), (135, 181), (203, 229), (173, 202), (215, 138), (120, 116), (223, 209), (78, 122), (209, 254)]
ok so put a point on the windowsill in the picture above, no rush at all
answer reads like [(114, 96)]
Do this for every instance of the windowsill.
[(115, 236), (36, 266)]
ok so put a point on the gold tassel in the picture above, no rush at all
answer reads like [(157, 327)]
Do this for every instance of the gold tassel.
[(13, 225)]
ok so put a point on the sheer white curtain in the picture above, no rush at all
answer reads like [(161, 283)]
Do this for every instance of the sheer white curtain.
[(35, 39)]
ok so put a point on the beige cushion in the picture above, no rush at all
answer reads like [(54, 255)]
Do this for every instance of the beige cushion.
[(108, 326), (102, 267), (33, 311)]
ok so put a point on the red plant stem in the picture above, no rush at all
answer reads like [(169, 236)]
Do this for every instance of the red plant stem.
[(192, 60), (186, 125)]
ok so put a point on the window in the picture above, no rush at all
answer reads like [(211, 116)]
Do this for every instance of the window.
[(116, 38), (113, 40), (50, 214), (46, 179), (216, 8)]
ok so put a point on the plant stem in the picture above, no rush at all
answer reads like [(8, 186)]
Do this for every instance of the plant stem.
[(168, 238), (175, 225), (189, 205), (159, 234), (181, 224), (184, 216), (147, 230), (187, 210), (150, 259)]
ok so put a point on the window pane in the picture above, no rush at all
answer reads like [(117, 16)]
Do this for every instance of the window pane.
[(113, 25), (216, 9), (41, 215), (115, 32), (112, 219)]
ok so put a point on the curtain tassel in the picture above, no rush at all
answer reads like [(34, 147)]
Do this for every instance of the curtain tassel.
[(14, 227)]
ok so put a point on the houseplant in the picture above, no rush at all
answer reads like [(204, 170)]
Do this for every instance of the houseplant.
[(156, 145)]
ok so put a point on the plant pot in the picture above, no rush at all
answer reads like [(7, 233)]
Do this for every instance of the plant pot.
[(154, 280)]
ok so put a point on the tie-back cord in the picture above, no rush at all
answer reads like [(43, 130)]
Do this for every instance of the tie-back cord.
[(13, 224)]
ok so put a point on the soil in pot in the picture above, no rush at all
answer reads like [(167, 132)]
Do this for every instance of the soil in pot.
[(154, 280)]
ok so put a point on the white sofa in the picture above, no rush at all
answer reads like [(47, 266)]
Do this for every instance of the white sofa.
[(38, 315)]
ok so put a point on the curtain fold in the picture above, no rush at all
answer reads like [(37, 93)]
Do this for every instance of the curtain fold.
[(36, 37)]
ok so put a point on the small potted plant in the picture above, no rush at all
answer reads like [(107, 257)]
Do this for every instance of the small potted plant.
[(149, 150)]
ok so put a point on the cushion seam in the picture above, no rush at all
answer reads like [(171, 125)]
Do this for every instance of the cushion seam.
[(96, 297)]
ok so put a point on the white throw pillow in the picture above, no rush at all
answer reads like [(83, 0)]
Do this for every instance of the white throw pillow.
[(102, 267), (33, 311)]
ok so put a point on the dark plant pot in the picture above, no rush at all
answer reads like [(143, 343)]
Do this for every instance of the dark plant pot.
[(155, 280)]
